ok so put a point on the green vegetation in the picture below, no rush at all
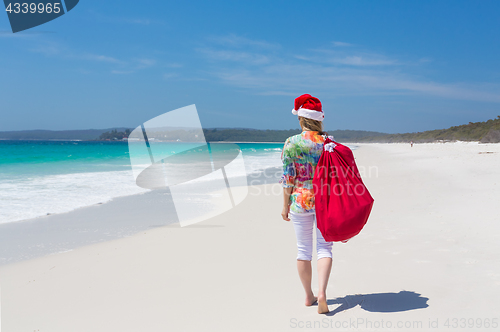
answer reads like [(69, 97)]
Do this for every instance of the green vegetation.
[(353, 135), (253, 135), (84, 135), (114, 135), (239, 135), (485, 132), (247, 135)]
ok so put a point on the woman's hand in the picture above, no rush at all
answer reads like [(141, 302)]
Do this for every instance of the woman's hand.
[(286, 203), (284, 213)]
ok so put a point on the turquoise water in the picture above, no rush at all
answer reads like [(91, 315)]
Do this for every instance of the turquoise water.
[(41, 177), (36, 158)]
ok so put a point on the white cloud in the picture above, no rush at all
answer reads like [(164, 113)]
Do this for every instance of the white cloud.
[(122, 72), (128, 20), (229, 55), (174, 65), (357, 60), (51, 48), (425, 59), (337, 73), (238, 41), (145, 63), (169, 75), (48, 49), (117, 66), (137, 21), (351, 58), (101, 58), (9, 34), (341, 44)]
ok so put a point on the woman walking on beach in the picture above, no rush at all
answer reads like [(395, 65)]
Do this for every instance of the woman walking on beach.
[(300, 156)]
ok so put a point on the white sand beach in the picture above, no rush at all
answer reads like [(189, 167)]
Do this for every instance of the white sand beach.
[(427, 257)]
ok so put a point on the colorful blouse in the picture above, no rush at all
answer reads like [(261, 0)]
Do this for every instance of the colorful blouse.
[(300, 156)]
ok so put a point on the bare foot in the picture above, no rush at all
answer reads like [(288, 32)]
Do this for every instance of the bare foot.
[(310, 300), (322, 306)]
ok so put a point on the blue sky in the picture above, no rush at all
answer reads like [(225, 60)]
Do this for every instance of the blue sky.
[(391, 66)]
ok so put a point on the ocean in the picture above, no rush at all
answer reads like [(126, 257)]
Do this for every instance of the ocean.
[(51, 177)]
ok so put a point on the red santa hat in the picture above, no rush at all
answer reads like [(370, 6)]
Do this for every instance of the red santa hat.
[(308, 106)]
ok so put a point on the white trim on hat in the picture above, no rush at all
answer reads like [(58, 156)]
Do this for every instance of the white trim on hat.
[(310, 114)]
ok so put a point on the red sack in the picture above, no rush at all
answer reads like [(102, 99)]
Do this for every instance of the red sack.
[(342, 201)]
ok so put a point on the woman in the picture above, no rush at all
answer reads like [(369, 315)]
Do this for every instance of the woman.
[(300, 156)]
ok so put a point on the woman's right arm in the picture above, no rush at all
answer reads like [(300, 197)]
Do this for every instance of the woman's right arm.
[(287, 192), (288, 179)]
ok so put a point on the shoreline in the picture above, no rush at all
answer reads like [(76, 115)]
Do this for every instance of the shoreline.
[(121, 141), (353, 146), (421, 143), (268, 175), (43, 182), (428, 252), (116, 218), (249, 175), (236, 142)]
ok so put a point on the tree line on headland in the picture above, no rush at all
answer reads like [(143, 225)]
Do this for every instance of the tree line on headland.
[(246, 135), (485, 132), (114, 135)]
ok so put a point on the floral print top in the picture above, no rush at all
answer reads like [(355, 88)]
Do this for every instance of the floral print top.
[(300, 156)]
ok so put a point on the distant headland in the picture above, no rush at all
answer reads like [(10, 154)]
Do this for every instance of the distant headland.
[(485, 132)]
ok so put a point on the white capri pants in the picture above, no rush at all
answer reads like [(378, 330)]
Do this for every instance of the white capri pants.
[(304, 223)]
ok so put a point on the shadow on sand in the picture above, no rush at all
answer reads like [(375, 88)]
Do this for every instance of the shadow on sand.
[(380, 302)]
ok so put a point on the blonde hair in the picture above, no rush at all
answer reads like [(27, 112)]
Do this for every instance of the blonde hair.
[(312, 125)]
